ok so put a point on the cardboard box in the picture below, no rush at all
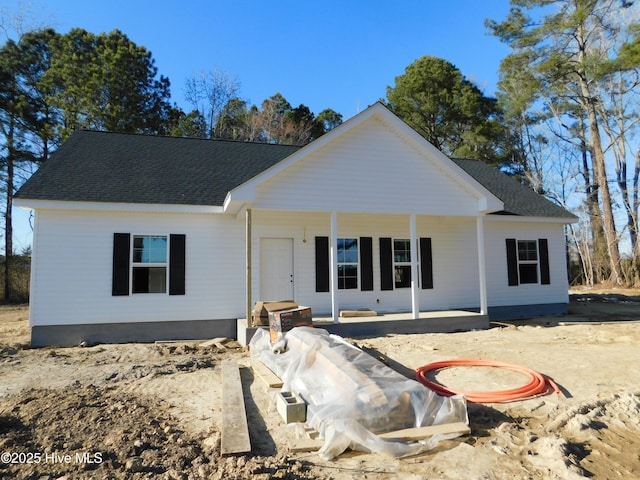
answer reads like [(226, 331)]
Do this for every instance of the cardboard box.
[(282, 321), (262, 309)]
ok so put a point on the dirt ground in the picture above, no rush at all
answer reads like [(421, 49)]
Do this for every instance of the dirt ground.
[(153, 410)]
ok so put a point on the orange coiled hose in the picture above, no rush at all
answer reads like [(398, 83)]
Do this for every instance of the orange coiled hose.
[(539, 384)]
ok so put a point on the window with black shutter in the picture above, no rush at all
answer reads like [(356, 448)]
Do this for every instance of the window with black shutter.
[(148, 264), (426, 264), (386, 264), (366, 264), (322, 264), (527, 261)]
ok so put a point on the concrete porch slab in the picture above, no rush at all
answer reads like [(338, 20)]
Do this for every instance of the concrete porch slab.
[(428, 322)]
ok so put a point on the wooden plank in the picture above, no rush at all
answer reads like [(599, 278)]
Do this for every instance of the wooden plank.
[(234, 437), (420, 433), (313, 443), (358, 313), (305, 445), (310, 432), (215, 342), (265, 374)]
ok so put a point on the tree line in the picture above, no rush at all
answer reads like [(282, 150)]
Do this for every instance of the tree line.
[(52, 84), (570, 94), (564, 119)]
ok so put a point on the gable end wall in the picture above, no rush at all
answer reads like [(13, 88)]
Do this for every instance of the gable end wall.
[(353, 174)]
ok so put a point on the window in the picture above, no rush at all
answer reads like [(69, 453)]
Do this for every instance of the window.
[(395, 263), (528, 261), (354, 259), (347, 263), (149, 267), (402, 263), (148, 264)]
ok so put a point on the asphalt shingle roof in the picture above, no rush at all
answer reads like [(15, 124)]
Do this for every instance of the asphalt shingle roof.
[(125, 168), (518, 199)]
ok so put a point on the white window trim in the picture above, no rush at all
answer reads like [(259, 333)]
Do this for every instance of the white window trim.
[(535, 262), (356, 263), (164, 264), (400, 264)]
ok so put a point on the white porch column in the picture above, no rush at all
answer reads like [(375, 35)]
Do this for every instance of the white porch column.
[(248, 273), (482, 269), (415, 290), (333, 272)]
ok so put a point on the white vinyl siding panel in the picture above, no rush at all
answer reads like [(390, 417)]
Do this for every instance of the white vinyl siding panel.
[(368, 170), (73, 268), (455, 269), (499, 293)]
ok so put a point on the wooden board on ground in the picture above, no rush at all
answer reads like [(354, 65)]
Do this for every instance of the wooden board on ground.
[(313, 443), (215, 342), (305, 445), (420, 433), (265, 374), (234, 437), (358, 313)]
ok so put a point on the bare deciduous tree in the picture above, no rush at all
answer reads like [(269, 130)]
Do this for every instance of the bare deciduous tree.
[(209, 93)]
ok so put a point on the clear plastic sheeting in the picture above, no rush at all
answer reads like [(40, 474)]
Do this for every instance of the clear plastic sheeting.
[(351, 396)]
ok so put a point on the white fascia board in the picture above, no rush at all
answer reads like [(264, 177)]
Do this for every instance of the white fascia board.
[(523, 219), (232, 205), (489, 203), (123, 207)]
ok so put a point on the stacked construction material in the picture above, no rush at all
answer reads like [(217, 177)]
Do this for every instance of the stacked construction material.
[(351, 396)]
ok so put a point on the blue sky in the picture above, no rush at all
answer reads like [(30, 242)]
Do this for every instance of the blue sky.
[(337, 54), (332, 54)]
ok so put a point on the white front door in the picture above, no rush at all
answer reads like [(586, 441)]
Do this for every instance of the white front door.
[(276, 269)]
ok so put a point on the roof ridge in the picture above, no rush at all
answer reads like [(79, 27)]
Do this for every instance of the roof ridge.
[(177, 137)]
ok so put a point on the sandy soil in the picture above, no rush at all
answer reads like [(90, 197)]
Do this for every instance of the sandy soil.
[(153, 410)]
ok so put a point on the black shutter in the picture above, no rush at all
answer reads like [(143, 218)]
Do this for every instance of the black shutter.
[(322, 264), (177, 263), (120, 275), (386, 264), (426, 264), (366, 263), (543, 250), (512, 262)]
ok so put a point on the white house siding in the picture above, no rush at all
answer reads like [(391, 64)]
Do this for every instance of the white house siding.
[(455, 264), (73, 268), (67, 244), (369, 169), (499, 292)]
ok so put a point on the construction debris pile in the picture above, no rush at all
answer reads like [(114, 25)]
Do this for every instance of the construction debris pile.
[(351, 397)]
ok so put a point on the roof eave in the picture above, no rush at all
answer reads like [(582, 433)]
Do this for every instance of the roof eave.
[(38, 204), (507, 217)]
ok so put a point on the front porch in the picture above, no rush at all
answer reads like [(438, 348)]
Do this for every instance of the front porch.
[(440, 321)]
